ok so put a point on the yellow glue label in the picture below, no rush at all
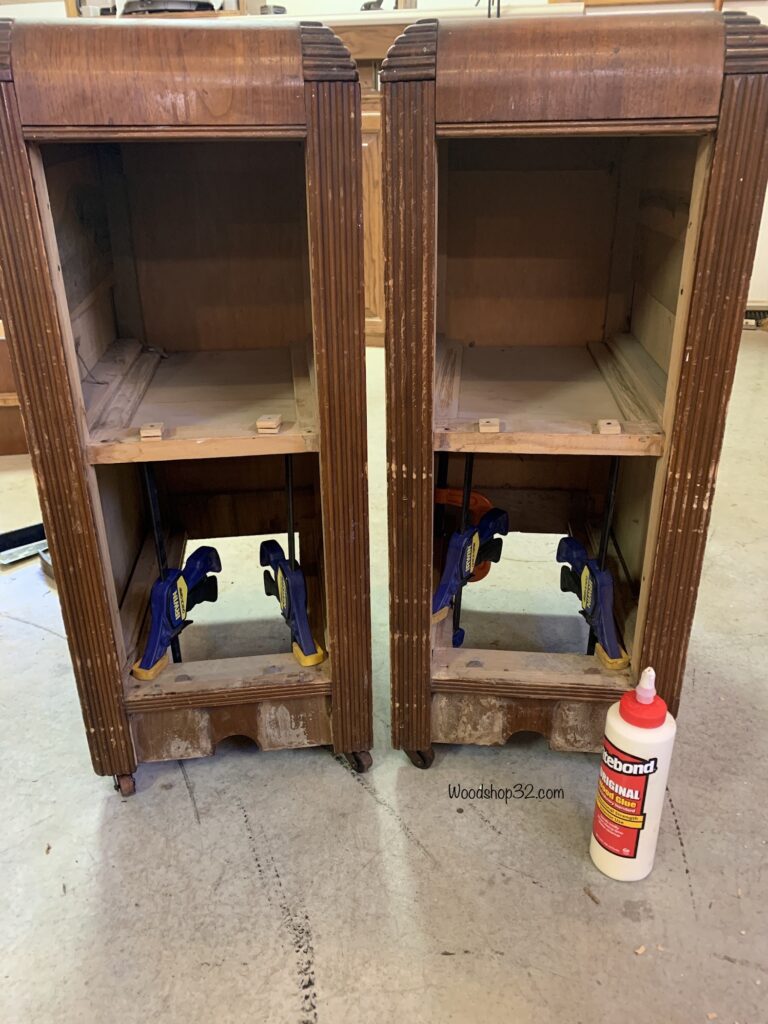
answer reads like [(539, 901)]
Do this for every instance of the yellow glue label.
[(586, 588), (180, 598), (471, 556), (282, 590)]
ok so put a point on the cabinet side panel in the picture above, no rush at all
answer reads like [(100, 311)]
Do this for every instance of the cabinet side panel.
[(410, 261), (726, 251), (334, 202), (56, 447)]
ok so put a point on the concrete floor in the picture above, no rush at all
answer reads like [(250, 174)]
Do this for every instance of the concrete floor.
[(281, 887)]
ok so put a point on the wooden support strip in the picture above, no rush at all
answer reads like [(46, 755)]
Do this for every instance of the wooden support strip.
[(623, 385), (227, 682), (105, 379), (645, 376), (187, 443), (8, 400), (521, 674), (127, 396), (303, 390), (501, 129), (567, 438), (448, 361)]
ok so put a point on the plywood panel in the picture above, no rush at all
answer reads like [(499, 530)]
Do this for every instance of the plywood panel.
[(81, 225), (219, 233), (527, 228), (122, 504)]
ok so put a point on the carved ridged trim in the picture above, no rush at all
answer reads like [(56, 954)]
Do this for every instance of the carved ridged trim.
[(325, 58), (746, 44), (409, 247), (413, 55), (527, 691), (6, 74), (220, 698), (56, 447), (726, 247), (334, 190)]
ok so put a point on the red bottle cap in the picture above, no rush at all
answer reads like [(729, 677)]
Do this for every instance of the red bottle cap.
[(646, 716)]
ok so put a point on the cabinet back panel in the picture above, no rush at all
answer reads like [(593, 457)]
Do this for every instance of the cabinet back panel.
[(219, 235), (525, 236)]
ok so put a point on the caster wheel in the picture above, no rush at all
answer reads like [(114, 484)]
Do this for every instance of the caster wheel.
[(360, 761), (421, 758), (125, 785)]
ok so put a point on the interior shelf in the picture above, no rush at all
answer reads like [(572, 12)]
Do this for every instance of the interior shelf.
[(208, 403), (549, 399)]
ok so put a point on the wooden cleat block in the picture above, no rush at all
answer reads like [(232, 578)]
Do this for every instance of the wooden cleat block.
[(489, 426), (269, 424), (151, 431), (608, 427)]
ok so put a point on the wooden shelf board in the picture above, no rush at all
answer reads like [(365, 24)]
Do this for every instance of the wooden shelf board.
[(227, 681), (208, 403), (549, 399), (521, 674)]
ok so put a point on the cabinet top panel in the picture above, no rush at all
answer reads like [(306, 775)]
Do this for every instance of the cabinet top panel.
[(163, 76), (638, 68), (580, 68)]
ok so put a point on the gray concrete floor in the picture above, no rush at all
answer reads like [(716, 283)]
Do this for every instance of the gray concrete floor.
[(280, 887)]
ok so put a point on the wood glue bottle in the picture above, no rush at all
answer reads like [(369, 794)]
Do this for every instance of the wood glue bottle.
[(637, 750)]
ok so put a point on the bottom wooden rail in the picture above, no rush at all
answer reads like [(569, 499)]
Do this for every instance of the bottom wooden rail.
[(484, 697), (191, 707)]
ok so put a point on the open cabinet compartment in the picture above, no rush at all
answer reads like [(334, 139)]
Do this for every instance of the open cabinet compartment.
[(564, 271), (185, 276), (563, 277), (534, 650), (213, 691)]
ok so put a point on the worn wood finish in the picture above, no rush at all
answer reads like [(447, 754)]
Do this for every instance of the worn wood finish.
[(615, 68), (678, 236), (101, 268), (56, 444), (212, 76), (726, 251), (487, 720), (334, 191), (410, 275), (181, 732)]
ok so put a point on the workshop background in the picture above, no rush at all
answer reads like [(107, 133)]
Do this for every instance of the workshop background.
[(284, 887)]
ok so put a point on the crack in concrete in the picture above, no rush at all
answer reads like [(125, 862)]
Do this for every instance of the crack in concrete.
[(35, 625), (294, 919)]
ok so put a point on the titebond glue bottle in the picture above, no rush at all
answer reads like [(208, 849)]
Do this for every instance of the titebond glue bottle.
[(637, 750)]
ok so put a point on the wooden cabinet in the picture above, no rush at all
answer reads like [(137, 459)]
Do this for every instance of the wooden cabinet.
[(182, 256), (12, 440), (572, 210)]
